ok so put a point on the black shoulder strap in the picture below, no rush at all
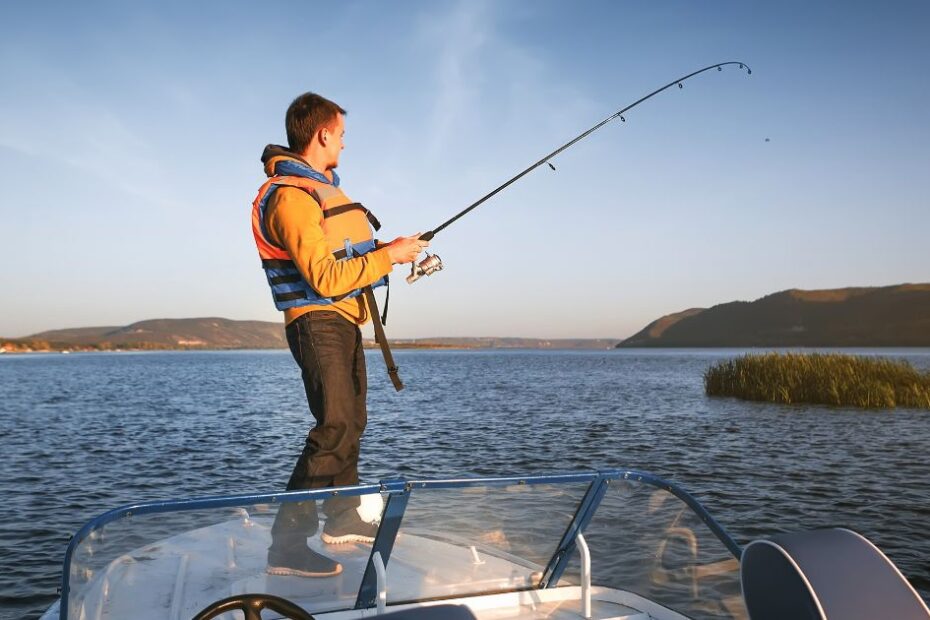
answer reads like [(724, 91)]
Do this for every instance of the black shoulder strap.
[(382, 339), (333, 211)]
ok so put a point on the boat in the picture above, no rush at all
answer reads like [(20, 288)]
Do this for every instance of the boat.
[(618, 544)]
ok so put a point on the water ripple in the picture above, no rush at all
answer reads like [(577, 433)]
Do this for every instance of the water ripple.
[(86, 432)]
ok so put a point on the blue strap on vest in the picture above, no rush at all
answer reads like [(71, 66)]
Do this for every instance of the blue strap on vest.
[(288, 288), (292, 168)]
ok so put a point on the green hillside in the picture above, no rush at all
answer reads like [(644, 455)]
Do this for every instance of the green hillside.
[(201, 333), (219, 333), (890, 316)]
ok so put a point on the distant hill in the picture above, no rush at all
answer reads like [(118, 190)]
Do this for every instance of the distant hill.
[(219, 333), (203, 333), (889, 316), (492, 342)]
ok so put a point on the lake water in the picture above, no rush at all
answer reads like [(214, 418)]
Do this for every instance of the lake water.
[(82, 433)]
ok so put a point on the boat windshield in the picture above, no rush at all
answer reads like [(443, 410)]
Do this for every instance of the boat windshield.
[(647, 540), (480, 539), (438, 540)]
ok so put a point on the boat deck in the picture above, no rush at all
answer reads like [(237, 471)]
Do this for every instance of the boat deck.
[(177, 577)]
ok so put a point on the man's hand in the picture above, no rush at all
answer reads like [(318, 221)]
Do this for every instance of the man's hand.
[(406, 249)]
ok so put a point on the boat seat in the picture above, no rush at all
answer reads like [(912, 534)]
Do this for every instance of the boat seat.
[(833, 574), (433, 612)]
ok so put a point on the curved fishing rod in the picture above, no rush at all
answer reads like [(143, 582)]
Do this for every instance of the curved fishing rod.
[(432, 263)]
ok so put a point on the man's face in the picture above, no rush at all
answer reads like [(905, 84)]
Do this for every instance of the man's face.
[(333, 143)]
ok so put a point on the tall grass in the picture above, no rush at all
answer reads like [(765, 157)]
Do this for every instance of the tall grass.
[(820, 378)]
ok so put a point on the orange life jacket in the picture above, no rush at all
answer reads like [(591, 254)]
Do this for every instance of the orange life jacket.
[(347, 227)]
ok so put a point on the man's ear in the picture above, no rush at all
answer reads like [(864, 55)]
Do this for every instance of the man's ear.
[(324, 136)]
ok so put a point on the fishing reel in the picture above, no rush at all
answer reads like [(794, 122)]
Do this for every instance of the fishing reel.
[(426, 267)]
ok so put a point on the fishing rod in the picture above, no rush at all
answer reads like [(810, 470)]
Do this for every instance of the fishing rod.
[(432, 263)]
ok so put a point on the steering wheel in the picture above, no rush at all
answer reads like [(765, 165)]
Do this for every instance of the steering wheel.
[(252, 605)]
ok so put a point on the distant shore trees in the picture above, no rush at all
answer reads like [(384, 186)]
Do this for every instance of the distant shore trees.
[(820, 378)]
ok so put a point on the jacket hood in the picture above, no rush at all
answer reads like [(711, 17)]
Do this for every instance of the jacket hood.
[(279, 161)]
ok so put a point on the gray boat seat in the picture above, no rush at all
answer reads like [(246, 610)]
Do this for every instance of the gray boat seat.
[(433, 612), (833, 574)]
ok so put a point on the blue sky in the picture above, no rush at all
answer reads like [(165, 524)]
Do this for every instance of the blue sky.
[(130, 135)]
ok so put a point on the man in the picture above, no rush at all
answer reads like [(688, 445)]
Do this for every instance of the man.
[(317, 250)]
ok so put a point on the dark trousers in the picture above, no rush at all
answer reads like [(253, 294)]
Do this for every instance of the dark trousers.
[(328, 349)]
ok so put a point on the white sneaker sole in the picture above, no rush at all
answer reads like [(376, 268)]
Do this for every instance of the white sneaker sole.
[(347, 538), (293, 572)]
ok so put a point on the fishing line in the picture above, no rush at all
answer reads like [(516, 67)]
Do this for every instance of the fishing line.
[(432, 263)]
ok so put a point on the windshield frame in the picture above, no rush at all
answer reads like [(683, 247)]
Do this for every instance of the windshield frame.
[(397, 493)]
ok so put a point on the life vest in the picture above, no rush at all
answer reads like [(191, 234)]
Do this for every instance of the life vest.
[(347, 227)]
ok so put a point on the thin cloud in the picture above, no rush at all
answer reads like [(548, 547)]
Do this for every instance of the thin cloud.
[(462, 35), (56, 119), (484, 80)]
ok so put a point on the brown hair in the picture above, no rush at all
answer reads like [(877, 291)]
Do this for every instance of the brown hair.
[(305, 116)]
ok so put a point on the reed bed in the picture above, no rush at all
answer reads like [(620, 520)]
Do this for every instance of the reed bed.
[(820, 378)]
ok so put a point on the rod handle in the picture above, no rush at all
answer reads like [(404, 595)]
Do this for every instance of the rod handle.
[(427, 236)]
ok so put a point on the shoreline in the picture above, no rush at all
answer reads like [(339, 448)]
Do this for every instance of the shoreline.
[(23, 346), (371, 346)]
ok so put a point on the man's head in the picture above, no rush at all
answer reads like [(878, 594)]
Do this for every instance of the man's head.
[(315, 127)]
